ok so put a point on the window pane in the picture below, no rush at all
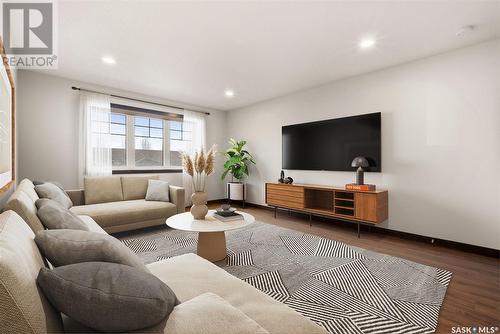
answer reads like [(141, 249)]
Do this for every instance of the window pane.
[(174, 125), (158, 133), (156, 123), (176, 135), (119, 156), (141, 131), (180, 138), (148, 152), (175, 159), (118, 141), (117, 129), (178, 145), (142, 121), (148, 144), (118, 118)]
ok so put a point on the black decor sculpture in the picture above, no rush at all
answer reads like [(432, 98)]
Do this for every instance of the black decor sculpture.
[(282, 177), (361, 163)]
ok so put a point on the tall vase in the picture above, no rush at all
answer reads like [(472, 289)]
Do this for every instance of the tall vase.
[(199, 209)]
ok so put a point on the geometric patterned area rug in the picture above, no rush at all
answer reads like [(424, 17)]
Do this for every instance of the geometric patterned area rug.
[(342, 288)]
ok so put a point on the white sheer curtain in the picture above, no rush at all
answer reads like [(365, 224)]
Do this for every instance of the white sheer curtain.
[(196, 121), (94, 139)]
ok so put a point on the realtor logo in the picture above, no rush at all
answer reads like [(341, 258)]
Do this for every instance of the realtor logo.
[(28, 34), (27, 28)]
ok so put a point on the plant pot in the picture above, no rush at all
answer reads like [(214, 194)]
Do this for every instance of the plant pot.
[(236, 191), (199, 209)]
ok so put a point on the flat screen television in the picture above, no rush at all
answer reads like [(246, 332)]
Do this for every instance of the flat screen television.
[(332, 144)]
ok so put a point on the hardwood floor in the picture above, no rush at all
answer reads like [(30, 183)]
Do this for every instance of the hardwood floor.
[(473, 296)]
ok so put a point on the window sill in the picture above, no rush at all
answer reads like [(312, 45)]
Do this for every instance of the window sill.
[(147, 171)]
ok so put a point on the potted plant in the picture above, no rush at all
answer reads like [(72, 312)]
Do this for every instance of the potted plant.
[(198, 168), (238, 160)]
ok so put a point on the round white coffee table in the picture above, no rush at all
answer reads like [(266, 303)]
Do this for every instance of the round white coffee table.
[(211, 236)]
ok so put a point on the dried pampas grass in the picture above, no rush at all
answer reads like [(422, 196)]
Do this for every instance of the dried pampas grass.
[(199, 166), (210, 161), (187, 164)]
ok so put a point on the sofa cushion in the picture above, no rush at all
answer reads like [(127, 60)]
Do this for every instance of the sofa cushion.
[(54, 216), (63, 247), (107, 296), (29, 188), (189, 276), (158, 191), (55, 193), (102, 189), (24, 205), (135, 187), (91, 224), (23, 308), (126, 212), (209, 314)]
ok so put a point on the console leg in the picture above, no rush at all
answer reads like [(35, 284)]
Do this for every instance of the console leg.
[(289, 212), (275, 209), (310, 220), (358, 229)]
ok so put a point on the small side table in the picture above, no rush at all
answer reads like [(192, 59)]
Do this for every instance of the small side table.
[(211, 232)]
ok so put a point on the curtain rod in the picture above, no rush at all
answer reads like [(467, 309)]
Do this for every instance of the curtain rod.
[(137, 100)]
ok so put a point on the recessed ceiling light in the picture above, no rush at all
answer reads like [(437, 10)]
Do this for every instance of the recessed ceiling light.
[(229, 93), (367, 43), (108, 60)]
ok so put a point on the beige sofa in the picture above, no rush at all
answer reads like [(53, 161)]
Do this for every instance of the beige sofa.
[(24, 308), (116, 203)]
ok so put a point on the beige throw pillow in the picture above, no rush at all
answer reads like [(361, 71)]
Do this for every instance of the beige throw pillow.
[(157, 191)]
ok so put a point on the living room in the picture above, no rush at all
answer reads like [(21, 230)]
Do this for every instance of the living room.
[(252, 167)]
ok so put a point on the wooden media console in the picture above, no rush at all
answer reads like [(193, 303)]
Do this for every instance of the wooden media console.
[(367, 207)]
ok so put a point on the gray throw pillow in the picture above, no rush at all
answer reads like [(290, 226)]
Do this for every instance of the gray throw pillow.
[(106, 296), (157, 191), (54, 216), (53, 192), (63, 247)]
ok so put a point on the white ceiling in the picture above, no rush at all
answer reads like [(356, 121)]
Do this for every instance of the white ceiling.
[(192, 51)]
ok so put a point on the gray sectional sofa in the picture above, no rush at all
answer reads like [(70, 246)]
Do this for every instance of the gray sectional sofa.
[(212, 300), (116, 203)]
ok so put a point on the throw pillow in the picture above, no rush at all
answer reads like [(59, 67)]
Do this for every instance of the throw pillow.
[(107, 296), (53, 192), (41, 202), (63, 247), (54, 216), (157, 191)]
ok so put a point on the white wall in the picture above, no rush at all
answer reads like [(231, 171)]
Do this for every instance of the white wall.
[(440, 140), (47, 124)]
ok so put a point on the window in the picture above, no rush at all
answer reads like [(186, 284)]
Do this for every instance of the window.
[(118, 130), (148, 141), (180, 136), (141, 141)]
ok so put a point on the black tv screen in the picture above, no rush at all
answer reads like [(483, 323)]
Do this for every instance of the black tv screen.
[(333, 144)]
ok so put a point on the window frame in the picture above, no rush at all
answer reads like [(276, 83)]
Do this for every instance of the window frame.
[(130, 167)]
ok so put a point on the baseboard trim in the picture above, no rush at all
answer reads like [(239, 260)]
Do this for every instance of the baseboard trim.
[(490, 252)]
